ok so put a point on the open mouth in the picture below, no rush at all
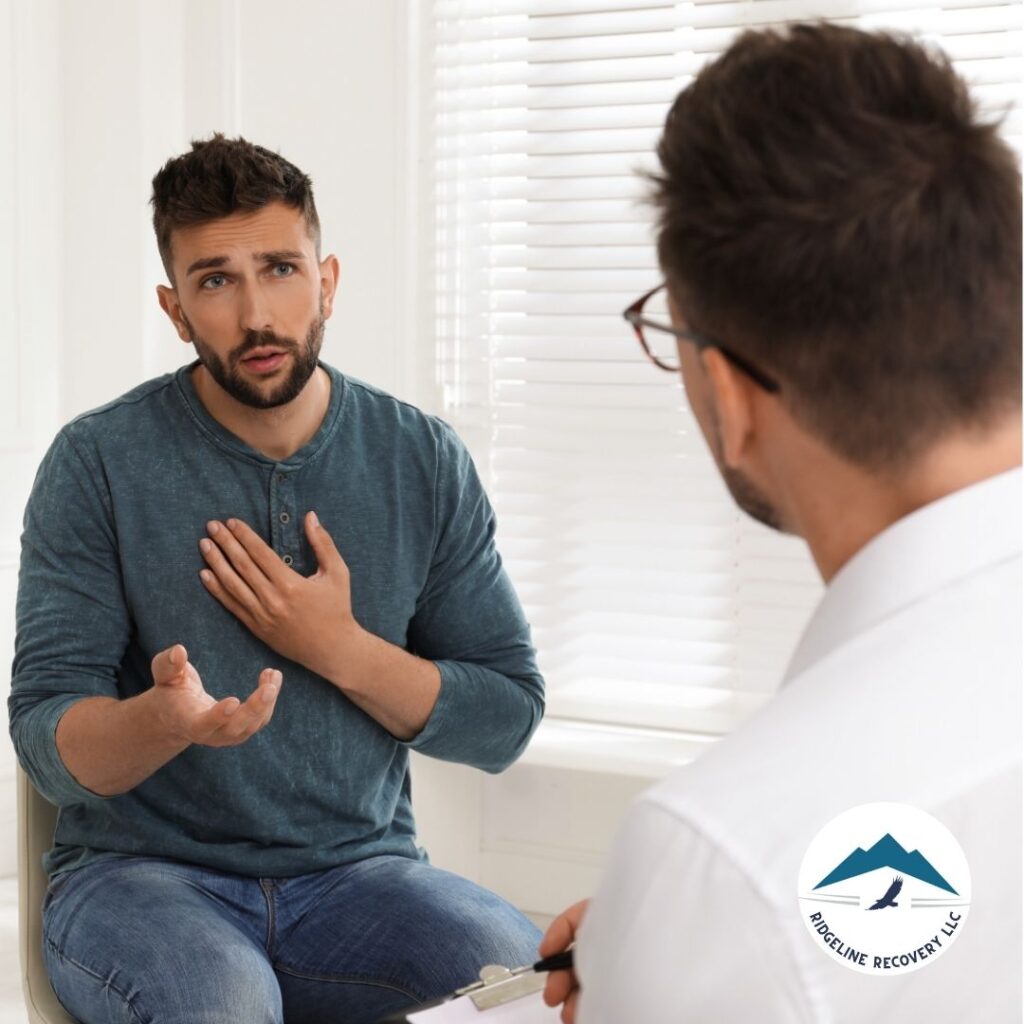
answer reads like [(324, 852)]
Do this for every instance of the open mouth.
[(264, 362)]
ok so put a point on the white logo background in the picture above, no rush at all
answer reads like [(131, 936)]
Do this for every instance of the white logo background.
[(893, 939)]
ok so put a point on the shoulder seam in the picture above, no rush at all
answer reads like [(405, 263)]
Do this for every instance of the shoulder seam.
[(377, 393), (127, 399), (439, 422)]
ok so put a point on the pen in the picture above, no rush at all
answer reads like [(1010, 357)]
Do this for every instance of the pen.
[(557, 962)]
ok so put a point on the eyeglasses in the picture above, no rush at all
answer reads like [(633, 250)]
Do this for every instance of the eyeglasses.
[(657, 335)]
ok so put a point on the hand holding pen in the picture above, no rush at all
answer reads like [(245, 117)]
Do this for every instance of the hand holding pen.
[(563, 985)]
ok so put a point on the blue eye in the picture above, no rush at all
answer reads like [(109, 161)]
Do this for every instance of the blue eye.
[(288, 268), (212, 282)]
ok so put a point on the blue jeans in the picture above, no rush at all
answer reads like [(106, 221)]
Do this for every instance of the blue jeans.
[(152, 941)]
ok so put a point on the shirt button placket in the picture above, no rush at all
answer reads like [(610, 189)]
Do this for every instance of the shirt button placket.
[(282, 517)]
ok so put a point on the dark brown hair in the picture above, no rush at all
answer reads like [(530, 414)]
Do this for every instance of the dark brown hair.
[(221, 176), (831, 207)]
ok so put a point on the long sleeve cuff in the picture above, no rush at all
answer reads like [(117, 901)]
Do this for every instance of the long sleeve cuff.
[(480, 718), (35, 741)]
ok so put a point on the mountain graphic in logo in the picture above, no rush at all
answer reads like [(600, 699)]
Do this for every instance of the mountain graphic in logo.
[(886, 853)]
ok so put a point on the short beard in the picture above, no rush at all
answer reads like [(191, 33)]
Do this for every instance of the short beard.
[(744, 493), (304, 362), (750, 499)]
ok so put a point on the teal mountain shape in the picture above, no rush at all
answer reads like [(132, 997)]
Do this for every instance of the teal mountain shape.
[(886, 853)]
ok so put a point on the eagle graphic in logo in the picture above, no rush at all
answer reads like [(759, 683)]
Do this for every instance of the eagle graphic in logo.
[(889, 899)]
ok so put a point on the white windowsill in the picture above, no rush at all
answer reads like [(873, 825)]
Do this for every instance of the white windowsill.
[(612, 749)]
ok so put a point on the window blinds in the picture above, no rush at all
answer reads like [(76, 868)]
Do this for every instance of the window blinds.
[(653, 601)]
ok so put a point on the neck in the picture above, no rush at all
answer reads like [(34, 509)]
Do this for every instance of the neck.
[(838, 508), (277, 433)]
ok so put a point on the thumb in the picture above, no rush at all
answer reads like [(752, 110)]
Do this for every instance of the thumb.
[(562, 931), (327, 555), (168, 665)]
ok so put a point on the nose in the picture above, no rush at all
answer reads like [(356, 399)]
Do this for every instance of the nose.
[(254, 312)]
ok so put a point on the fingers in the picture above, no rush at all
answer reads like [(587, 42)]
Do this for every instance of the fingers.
[(563, 986), (261, 555), (169, 665), (559, 986), (232, 567), (251, 716), (327, 554), (557, 937), (241, 611), (569, 1010), (230, 722)]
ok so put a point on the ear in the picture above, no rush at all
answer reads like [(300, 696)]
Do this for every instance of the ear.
[(330, 272), (168, 299), (732, 394)]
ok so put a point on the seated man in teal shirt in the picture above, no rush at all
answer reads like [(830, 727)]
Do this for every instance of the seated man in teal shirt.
[(259, 517)]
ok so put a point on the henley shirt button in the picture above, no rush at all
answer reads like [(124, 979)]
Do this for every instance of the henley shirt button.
[(287, 559), (280, 478), (284, 517)]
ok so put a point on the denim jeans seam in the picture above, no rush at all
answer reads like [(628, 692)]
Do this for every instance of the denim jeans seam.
[(98, 977), (266, 888), (349, 979)]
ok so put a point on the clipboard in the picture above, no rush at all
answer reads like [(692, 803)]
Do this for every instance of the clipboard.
[(501, 995)]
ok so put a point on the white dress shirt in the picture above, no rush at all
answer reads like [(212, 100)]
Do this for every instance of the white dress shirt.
[(904, 688)]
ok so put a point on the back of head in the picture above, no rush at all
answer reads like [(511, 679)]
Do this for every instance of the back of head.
[(219, 177), (831, 208)]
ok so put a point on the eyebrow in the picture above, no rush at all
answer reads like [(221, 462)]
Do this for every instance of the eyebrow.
[(274, 256)]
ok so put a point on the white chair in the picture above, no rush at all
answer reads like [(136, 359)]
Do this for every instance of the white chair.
[(37, 819)]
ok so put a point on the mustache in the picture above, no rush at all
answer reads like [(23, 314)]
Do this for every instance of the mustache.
[(262, 339)]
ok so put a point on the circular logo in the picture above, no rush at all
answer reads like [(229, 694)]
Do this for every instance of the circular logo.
[(884, 889)]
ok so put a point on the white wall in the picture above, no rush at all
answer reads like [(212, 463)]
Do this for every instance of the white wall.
[(323, 82), (31, 278)]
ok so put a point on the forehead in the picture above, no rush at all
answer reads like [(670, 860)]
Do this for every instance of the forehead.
[(241, 235)]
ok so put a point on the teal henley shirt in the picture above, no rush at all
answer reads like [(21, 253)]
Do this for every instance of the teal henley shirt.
[(110, 577)]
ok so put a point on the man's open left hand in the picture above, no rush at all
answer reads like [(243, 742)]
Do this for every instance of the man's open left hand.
[(305, 618)]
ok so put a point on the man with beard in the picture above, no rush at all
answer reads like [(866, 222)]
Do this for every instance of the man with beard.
[(258, 516), (841, 240)]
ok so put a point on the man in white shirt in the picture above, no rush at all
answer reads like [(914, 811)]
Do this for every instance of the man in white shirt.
[(841, 239)]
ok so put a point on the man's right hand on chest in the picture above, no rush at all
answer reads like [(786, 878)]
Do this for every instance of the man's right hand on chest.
[(190, 714)]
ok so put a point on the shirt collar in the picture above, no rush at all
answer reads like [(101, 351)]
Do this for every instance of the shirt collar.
[(932, 547), (227, 441)]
